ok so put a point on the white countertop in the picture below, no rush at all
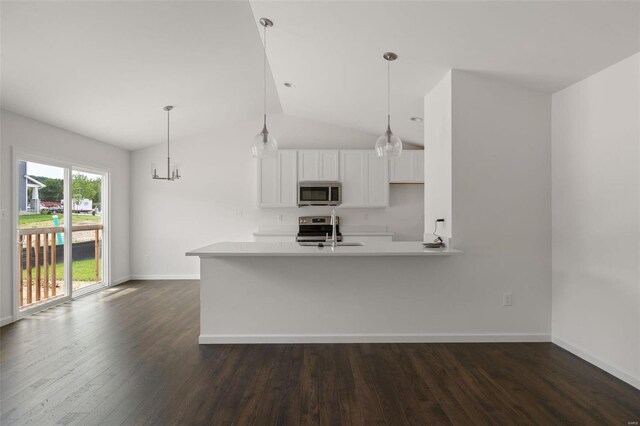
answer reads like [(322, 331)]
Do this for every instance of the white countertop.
[(405, 248)]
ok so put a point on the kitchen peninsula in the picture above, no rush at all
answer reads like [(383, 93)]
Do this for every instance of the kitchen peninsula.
[(267, 292)]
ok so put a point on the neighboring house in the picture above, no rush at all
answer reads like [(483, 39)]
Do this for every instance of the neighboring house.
[(26, 182)]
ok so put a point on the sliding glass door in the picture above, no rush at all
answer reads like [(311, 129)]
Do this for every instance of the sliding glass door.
[(41, 243), (87, 230), (60, 213)]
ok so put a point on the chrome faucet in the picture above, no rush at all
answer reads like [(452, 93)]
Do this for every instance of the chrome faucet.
[(334, 237)]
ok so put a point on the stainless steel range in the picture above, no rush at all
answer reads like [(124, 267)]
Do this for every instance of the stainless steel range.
[(317, 229)]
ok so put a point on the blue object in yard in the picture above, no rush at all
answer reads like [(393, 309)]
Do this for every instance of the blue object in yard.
[(56, 222)]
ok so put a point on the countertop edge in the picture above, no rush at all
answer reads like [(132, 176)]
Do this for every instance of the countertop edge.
[(212, 255), (449, 252), (347, 233), (267, 249)]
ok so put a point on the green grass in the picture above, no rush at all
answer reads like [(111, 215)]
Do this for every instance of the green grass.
[(46, 220), (83, 270)]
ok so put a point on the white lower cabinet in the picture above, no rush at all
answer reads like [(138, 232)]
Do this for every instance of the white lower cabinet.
[(278, 180), (365, 179)]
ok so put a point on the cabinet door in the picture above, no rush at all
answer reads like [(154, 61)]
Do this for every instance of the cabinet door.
[(278, 180), (267, 182), (288, 178), (377, 182), (408, 168), (401, 168), (365, 179), (352, 176), (307, 165), (318, 165), (328, 165)]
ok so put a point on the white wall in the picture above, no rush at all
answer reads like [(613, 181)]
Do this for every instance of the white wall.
[(596, 219), (33, 137), (437, 159), (501, 197), (216, 198)]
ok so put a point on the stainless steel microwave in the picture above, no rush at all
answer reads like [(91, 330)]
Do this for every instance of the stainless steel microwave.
[(319, 193)]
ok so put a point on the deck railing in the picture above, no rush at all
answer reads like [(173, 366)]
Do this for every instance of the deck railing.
[(40, 257)]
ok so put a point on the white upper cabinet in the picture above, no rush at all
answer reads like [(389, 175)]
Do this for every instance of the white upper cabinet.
[(365, 179), (352, 164), (408, 168), (329, 165), (278, 180), (318, 165), (377, 181)]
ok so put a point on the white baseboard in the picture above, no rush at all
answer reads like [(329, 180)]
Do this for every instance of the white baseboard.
[(6, 320), (120, 281), (624, 376), (206, 339), (166, 277)]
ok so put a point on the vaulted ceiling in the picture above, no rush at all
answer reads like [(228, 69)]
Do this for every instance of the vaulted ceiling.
[(106, 69)]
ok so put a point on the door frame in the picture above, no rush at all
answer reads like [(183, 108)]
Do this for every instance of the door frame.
[(68, 166)]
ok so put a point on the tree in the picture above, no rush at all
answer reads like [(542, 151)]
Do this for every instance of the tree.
[(54, 190), (84, 187)]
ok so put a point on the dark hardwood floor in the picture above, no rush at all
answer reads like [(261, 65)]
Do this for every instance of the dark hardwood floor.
[(129, 355)]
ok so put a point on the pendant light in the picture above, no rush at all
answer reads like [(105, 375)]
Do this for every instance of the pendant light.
[(265, 145), (171, 174), (389, 145)]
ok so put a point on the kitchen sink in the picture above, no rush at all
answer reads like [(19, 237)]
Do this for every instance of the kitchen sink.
[(320, 245)]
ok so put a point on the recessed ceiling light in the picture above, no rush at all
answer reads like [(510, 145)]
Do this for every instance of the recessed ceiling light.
[(289, 85), (416, 119)]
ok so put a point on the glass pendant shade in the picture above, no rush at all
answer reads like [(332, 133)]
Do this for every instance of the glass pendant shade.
[(388, 145), (264, 145)]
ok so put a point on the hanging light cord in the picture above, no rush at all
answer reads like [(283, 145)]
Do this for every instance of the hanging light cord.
[(388, 94), (265, 77), (168, 152)]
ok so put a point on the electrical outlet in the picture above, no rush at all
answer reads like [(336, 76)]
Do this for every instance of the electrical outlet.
[(239, 213), (280, 217), (507, 299)]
